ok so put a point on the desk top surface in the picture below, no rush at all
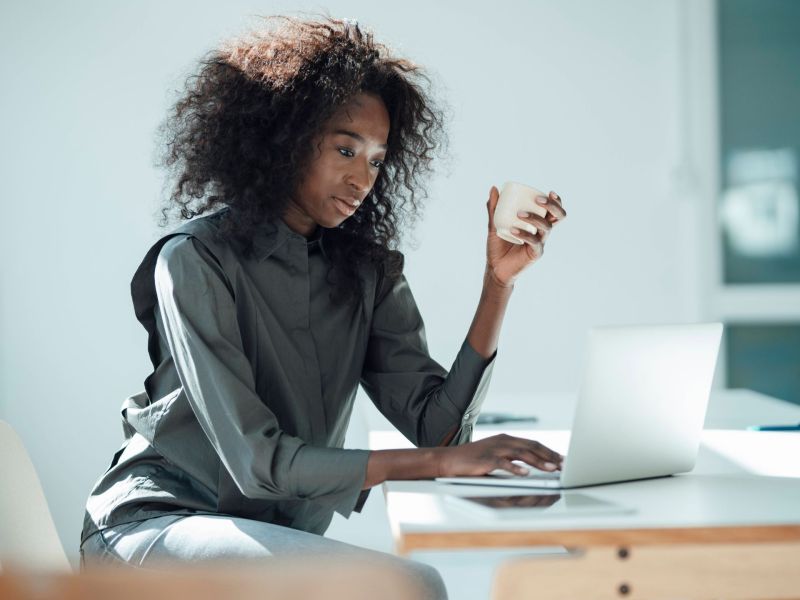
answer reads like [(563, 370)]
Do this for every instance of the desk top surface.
[(746, 485)]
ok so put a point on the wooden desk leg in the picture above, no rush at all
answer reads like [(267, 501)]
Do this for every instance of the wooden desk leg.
[(698, 571)]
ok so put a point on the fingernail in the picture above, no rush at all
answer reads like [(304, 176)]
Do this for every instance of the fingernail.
[(549, 465), (541, 200), (523, 214), (515, 230)]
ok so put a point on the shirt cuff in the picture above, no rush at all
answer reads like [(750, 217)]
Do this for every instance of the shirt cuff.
[(335, 476), (464, 390)]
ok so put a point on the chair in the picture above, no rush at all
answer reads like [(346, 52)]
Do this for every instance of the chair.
[(34, 566), (27, 533)]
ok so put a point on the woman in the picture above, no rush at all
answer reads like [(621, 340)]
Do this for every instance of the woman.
[(299, 149)]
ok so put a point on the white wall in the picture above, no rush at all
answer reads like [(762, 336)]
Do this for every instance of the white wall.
[(577, 96)]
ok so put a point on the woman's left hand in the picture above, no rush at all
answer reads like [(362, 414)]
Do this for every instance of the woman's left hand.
[(505, 261)]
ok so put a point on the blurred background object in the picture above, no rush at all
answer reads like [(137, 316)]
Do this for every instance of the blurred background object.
[(759, 214), (281, 579)]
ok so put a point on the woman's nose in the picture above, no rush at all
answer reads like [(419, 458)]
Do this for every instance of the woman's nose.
[(360, 179)]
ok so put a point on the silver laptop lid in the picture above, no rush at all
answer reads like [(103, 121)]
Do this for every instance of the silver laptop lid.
[(642, 402)]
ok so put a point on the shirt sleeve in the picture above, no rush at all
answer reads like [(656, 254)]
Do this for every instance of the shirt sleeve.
[(196, 303), (419, 397)]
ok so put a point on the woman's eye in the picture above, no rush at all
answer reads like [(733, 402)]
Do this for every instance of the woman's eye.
[(349, 153)]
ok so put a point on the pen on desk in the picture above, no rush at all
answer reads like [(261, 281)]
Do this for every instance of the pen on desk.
[(775, 427), (497, 418)]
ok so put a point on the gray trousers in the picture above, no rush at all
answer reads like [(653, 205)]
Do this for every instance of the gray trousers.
[(157, 542)]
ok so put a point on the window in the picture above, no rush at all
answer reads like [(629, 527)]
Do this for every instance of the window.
[(757, 289), (759, 79)]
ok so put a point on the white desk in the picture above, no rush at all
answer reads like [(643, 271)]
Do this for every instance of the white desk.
[(744, 490), (687, 508)]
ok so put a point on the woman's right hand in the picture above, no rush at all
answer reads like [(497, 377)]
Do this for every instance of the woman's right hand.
[(496, 452)]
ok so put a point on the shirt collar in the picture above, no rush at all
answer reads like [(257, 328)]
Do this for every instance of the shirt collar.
[(275, 232)]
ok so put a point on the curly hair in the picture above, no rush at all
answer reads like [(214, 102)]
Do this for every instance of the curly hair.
[(240, 136)]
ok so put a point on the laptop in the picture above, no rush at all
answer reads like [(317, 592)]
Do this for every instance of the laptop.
[(640, 409)]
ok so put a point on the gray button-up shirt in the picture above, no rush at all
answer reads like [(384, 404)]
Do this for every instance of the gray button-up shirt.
[(255, 373)]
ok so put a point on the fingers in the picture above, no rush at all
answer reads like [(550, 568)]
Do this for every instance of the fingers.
[(531, 452), (550, 461), (541, 463), (536, 240), (539, 222), (535, 449), (555, 212), (507, 465), (544, 225)]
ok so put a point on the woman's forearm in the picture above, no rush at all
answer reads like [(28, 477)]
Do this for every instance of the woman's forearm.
[(413, 463), (485, 329), (476, 458)]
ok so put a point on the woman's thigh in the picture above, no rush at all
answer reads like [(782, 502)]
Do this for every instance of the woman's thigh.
[(164, 541)]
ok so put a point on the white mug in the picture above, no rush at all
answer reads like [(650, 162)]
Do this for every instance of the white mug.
[(515, 197)]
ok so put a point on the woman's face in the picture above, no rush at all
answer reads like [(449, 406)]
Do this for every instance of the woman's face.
[(347, 157)]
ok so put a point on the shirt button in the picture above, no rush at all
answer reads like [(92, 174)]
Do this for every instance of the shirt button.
[(466, 416)]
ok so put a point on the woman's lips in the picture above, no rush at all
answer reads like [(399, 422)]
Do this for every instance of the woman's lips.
[(344, 208)]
